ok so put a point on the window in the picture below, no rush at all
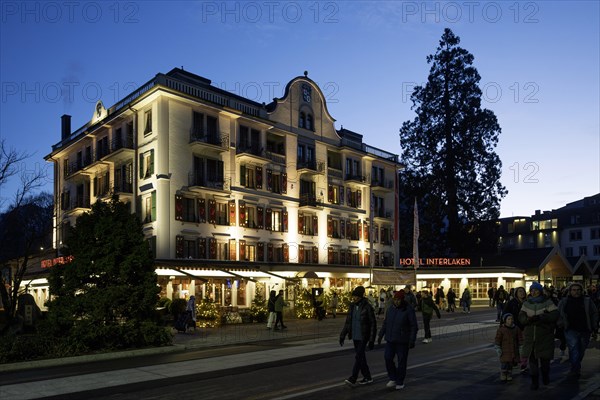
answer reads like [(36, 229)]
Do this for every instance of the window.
[(189, 209), (247, 177), (204, 125), (575, 236), (595, 233), (197, 125), (309, 123), (276, 221), (569, 251), (148, 122), (149, 203), (251, 220), (575, 219), (308, 224), (222, 214), (249, 140), (147, 164), (596, 250), (302, 120), (583, 250), (189, 249)]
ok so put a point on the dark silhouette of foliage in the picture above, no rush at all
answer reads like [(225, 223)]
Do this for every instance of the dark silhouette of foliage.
[(449, 151)]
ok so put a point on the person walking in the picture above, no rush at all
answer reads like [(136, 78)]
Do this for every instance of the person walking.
[(410, 297), (271, 309), (578, 316), (361, 327), (513, 307), (334, 304), (279, 304), (500, 298), (465, 300), (400, 330), (381, 308), (507, 343), (191, 309), (427, 308), (490, 294), (538, 315), (451, 300)]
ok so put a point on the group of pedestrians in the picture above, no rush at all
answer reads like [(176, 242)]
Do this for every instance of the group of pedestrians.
[(399, 329), (275, 306), (529, 324)]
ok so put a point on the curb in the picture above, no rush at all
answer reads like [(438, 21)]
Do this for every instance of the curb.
[(89, 358)]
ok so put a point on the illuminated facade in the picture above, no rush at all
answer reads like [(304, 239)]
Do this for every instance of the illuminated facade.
[(233, 193)]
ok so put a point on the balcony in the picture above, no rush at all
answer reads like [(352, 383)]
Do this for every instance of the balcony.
[(334, 173), (383, 214), (382, 186), (202, 142), (73, 169), (276, 157), (356, 179), (253, 153), (123, 188), (196, 181), (121, 149), (310, 167), (310, 200)]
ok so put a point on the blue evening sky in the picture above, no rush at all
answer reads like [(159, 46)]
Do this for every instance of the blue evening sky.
[(539, 63)]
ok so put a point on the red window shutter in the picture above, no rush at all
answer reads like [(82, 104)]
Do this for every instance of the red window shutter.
[(343, 229), (201, 248), (269, 180), (260, 252), (360, 230), (242, 250), (269, 219), (178, 207), (259, 176), (286, 252), (285, 221), (330, 255), (270, 252), (242, 213), (231, 212), (284, 183), (300, 223), (260, 215), (232, 250), (301, 254), (315, 255), (178, 246), (329, 227), (315, 225), (330, 193), (341, 195), (201, 210), (212, 211), (212, 248)]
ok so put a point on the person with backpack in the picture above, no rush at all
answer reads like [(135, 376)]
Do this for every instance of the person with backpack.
[(501, 297)]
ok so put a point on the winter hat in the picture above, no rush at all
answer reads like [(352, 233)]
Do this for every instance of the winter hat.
[(536, 285), (399, 294), (359, 291), (571, 284), (506, 316)]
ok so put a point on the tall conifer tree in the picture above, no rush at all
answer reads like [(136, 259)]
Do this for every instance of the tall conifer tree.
[(449, 149)]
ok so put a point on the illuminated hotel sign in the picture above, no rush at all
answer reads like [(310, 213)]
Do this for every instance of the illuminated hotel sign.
[(436, 261), (50, 262)]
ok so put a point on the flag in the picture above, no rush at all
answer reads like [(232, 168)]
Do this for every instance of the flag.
[(416, 236)]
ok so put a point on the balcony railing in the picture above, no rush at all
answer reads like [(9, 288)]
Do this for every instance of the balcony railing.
[(213, 183), (118, 143), (196, 135), (254, 150), (275, 157), (355, 177), (309, 200), (382, 184), (334, 173), (123, 187)]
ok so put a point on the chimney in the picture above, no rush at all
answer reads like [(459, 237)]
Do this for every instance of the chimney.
[(65, 122), (538, 212)]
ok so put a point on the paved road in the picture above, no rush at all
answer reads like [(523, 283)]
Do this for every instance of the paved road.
[(302, 362)]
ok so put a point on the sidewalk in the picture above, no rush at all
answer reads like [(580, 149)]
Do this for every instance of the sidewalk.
[(304, 339)]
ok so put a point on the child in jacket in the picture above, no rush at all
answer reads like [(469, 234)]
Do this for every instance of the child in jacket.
[(507, 346)]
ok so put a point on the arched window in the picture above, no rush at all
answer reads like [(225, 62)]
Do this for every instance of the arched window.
[(309, 123), (302, 120)]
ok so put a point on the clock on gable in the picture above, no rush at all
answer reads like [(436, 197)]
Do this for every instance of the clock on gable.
[(306, 93)]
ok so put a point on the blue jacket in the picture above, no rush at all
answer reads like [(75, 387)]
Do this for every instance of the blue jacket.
[(400, 325)]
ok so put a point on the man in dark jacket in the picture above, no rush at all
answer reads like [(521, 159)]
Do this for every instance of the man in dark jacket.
[(361, 327), (578, 317), (400, 329)]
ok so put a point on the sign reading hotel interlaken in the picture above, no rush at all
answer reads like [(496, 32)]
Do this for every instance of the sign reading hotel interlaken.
[(436, 261), (50, 262)]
